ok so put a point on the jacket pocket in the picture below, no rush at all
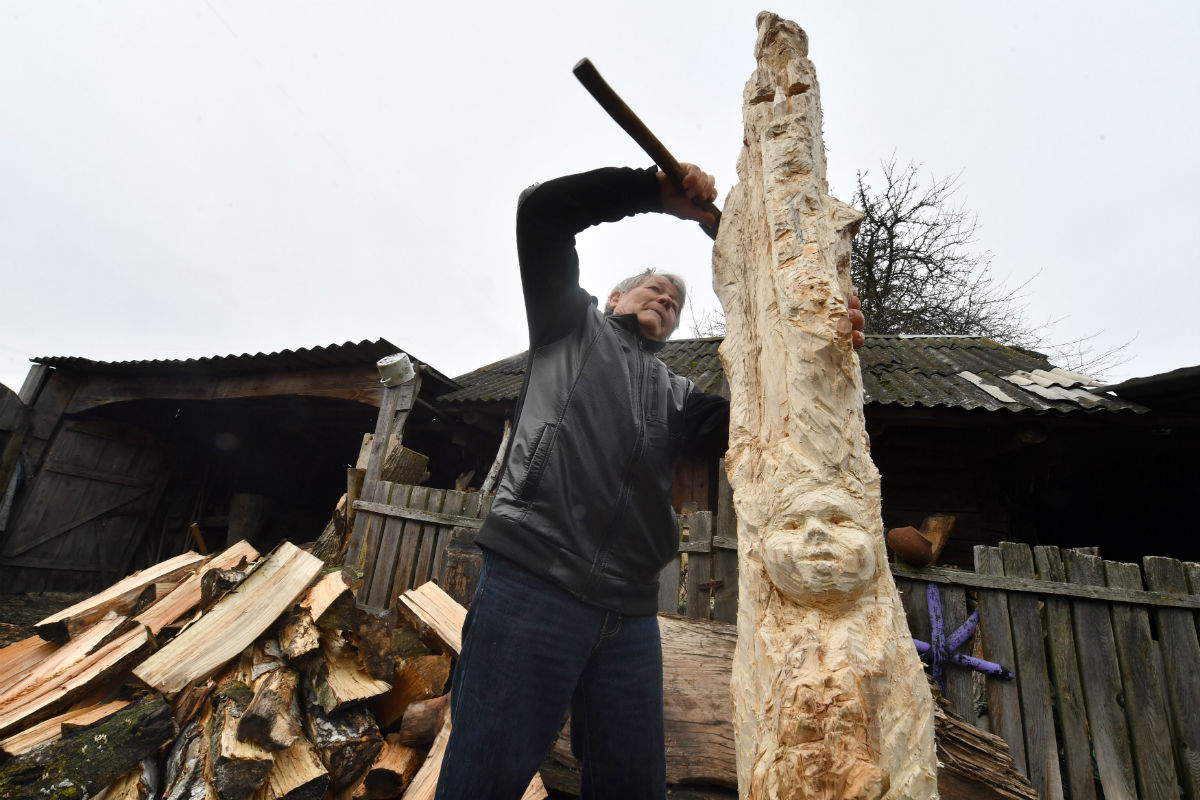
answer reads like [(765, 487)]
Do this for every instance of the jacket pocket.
[(536, 466)]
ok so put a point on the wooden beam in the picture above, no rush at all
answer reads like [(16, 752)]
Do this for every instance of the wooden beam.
[(1036, 586), (403, 512), (358, 384)]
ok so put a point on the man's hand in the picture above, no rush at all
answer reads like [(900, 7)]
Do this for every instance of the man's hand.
[(697, 185)]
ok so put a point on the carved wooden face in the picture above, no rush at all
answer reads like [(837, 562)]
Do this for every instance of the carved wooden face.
[(815, 552)]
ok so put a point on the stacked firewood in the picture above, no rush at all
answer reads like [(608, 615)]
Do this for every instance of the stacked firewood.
[(236, 677)]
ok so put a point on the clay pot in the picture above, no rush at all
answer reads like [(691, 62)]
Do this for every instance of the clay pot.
[(910, 546)]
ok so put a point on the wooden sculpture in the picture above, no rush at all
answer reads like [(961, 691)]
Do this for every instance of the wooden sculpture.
[(829, 697)]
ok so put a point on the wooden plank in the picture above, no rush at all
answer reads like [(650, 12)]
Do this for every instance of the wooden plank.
[(1033, 680), (364, 542), (233, 623), (435, 503), (408, 512), (1068, 690), (1145, 700), (1003, 698), (700, 534), (452, 504), (1101, 680), (725, 558), (1013, 584), (394, 398), (410, 539), (76, 471), (668, 586), (699, 560), (916, 608), (463, 503), (960, 683), (1181, 669), (381, 565)]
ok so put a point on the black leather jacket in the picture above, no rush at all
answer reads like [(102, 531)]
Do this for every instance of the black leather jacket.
[(585, 500)]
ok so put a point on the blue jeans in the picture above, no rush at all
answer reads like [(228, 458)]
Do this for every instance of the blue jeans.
[(530, 652)]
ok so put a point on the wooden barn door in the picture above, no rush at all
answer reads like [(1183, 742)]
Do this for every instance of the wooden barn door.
[(87, 510)]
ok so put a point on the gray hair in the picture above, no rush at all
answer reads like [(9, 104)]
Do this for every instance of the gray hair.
[(637, 280)]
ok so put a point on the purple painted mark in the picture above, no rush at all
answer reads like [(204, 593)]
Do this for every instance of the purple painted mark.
[(939, 651)]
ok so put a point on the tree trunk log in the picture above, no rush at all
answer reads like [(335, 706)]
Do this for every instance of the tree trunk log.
[(830, 700), (80, 765)]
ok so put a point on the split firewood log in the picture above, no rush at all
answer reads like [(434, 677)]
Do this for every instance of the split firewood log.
[(186, 596), (374, 638), (267, 657), (423, 719), (82, 764), (189, 702), (45, 700), (19, 658), (185, 766), (420, 678), (297, 774), (40, 677), (298, 634), (347, 740), (437, 616), (273, 717), (140, 783), (121, 598), (390, 775), (236, 767), (337, 679), (233, 623)]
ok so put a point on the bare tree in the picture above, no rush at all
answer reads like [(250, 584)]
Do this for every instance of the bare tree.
[(916, 268)]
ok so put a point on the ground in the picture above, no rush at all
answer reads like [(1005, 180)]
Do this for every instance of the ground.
[(19, 612)]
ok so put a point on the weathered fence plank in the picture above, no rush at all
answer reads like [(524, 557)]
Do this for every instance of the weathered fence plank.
[(1003, 699), (1181, 669), (1068, 691), (1145, 702), (1033, 681), (699, 549), (1101, 680), (725, 557), (960, 688), (379, 591)]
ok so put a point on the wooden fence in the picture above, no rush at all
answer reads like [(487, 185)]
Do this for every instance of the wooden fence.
[(1106, 700), (1106, 697)]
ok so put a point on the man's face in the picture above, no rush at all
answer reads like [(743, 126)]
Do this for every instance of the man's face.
[(656, 304)]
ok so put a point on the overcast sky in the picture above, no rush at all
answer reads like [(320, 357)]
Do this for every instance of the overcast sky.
[(203, 177)]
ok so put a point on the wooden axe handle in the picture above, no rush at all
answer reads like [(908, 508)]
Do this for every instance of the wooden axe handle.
[(624, 116)]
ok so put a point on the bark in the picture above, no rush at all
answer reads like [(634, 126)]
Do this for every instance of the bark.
[(273, 717), (80, 765), (830, 700)]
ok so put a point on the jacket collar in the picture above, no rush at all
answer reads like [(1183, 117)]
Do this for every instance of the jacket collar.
[(629, 322)]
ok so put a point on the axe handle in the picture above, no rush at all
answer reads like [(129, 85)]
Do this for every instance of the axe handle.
[(624, 116)]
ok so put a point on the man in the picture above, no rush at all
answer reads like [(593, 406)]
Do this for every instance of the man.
[(564, 616)]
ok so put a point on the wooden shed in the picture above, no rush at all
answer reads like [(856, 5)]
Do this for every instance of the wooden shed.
[(1013, 447), (125, 457)]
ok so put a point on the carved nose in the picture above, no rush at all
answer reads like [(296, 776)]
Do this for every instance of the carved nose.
[(816, 533)]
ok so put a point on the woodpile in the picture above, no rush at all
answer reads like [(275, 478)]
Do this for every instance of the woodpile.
[(233, 677)]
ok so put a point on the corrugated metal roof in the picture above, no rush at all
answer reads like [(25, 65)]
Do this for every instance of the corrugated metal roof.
[(304, 358), (964, 372)]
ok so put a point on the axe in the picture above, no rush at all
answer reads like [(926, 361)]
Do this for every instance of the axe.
[(623, 116)]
